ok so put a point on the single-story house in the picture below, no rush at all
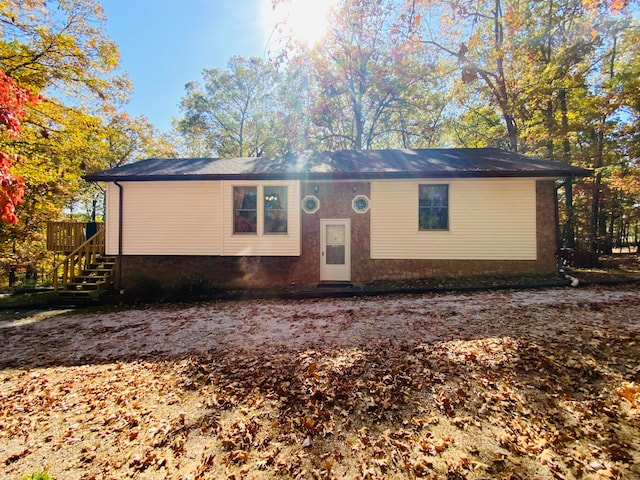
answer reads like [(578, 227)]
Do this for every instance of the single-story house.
[(346, 216)]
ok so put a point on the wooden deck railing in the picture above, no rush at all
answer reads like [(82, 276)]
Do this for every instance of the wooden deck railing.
[(67, 270), (65, 237)]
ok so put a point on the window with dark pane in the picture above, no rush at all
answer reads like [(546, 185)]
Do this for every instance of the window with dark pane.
[(245, 209), (434, 207), (336, 244), (275, 210)]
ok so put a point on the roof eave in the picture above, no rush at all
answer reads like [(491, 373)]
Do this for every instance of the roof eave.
[(343, 175)]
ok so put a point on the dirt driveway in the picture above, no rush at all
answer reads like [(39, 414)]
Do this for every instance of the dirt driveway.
[(512, 384)]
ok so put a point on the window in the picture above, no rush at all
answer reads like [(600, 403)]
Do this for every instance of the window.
[(433, 207), (270, 201), (275, 210), (360, 204), (245, 209), (310, 204)]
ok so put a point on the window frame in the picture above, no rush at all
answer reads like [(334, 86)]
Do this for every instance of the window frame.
[(432, 208), (283, 208), (238, 212), (260, 209), (355, 204)]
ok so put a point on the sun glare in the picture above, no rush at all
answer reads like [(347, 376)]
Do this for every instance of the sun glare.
[(306, 21)]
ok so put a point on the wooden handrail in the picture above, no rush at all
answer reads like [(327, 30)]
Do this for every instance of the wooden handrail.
[(73, 264)]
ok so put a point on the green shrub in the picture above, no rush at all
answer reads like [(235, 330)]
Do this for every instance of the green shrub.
[(39, 475)]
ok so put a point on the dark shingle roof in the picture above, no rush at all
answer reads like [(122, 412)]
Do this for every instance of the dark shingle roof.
[(346, 164)]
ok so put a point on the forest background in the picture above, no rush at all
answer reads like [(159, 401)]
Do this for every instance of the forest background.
[(557, 79)]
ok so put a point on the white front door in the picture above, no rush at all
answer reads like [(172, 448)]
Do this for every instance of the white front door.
[(335, 249)]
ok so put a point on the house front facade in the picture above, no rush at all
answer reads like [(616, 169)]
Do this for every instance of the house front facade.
[(344, 216)]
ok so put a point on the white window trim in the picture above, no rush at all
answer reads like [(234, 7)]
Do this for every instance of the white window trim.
[(260, 210), (435, 230), (360, 197)]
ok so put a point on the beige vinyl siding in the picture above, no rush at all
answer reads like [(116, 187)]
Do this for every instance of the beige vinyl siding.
[(489, 219), (166, 218), (111, 220), (259, 244)]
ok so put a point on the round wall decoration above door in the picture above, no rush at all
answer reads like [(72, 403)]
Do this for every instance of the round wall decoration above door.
[(310, 204), (360, 204)]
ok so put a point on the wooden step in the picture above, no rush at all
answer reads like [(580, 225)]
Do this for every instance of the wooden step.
[(77, 293), (73, 297), (89, 277), (86, 286), (95, 273), (104, 265)]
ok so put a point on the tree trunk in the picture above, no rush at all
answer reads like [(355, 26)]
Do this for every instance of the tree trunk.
[(594, 229), (550, 126), (512, 131), (598, 219), (570, 226), (501, 85)]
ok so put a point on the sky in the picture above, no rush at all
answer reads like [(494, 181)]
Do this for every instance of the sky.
[(165, 44)]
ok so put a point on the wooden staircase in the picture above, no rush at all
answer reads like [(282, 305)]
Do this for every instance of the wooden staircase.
[(92, 282), (85, 274)]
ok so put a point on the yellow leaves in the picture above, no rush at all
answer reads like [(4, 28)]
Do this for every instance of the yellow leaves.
[(627, 181)]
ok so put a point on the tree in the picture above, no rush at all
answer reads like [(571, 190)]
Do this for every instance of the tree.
[(369, 91), (540, 66), (13, 102), (59, 51), (479, 126), (65, 53), (360, 86), (612, 128), (474, 35), (556, 81), (61, 46), (233, 113)]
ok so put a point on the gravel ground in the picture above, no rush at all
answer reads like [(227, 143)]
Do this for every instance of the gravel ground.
[(510, 384)]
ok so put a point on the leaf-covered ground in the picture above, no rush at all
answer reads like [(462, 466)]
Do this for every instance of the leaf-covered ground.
[(514, 384)]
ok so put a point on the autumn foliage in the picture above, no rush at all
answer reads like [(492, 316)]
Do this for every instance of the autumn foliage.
[(13, 103)]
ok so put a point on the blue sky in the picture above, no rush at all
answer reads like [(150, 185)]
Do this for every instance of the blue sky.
[(165, 44)]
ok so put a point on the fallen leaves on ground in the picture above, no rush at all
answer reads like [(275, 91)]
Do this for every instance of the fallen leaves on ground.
[(513, 385)]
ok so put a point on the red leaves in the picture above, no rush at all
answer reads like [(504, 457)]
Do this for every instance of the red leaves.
[(12, 189), (13, 102)]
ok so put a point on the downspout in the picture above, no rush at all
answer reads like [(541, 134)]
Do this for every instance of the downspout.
[(556, 214), (573, 281), (120, 209)]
